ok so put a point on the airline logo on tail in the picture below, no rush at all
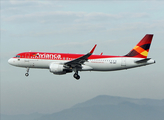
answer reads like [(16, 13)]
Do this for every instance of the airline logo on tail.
[(142, 48)]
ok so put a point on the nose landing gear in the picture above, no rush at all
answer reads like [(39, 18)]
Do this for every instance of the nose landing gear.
[(27, 74)]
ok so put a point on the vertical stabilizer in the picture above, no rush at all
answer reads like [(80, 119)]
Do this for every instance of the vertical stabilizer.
[(142, 48)]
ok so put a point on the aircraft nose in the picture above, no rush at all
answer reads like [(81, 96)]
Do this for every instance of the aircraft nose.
[(10, 61)]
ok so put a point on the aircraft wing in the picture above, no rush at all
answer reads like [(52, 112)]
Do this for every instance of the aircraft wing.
[(79, 61)]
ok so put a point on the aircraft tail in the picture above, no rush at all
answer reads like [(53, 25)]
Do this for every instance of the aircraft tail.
[(142, 48)]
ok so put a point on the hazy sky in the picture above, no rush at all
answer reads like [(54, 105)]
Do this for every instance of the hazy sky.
[(74, 27)]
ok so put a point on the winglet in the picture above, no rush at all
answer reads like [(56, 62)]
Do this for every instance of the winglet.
[(93, 49)]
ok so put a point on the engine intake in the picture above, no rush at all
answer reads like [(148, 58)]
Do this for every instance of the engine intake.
[(57, 69)]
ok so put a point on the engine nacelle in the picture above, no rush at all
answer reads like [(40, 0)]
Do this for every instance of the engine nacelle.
[(57, 69)]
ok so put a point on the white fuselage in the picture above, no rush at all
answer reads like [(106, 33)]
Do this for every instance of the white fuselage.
[(62, 63), (106, 64)]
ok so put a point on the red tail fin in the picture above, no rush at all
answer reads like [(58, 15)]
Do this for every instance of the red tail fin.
[(142, 48)]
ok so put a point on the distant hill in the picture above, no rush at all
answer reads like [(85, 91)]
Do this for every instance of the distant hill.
[(114, 100), (105, 107)]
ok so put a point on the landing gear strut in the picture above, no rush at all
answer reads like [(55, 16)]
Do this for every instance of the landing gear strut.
[(76, 76), (27, 74)]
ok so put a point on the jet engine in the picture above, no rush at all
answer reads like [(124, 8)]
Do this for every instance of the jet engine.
[(57, 69)]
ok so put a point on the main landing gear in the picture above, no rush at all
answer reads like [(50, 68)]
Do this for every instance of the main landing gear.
[(27, 74), (76, 76)]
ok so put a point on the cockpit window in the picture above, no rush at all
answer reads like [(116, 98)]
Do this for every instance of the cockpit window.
[(18, 56)]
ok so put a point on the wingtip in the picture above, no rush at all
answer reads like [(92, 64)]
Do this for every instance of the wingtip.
[(93, 49)]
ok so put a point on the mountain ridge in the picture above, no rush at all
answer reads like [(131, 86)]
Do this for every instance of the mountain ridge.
[(114, 100), (105, 107)]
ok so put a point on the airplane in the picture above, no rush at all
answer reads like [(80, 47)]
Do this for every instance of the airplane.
[(62, 63)]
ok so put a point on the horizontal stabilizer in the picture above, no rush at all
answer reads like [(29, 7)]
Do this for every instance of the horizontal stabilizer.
[(143, 60)]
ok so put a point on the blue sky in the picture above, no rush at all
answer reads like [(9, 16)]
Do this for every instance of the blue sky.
[(74, 27)]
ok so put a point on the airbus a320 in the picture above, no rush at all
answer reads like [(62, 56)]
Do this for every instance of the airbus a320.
[(62, 63)]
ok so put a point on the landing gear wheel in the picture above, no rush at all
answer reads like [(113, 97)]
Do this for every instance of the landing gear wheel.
[(26, 74), (76, 76)]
